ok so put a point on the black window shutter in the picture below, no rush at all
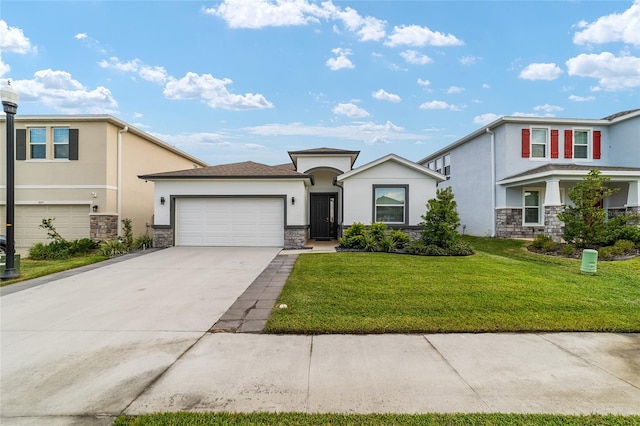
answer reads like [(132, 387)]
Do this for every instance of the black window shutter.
[(21, 144), (73, 144)]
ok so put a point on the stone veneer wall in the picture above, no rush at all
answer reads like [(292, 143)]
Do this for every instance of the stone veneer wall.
[(553, 227), (295, 238), (103, 227), (162, 236), (509, 225)]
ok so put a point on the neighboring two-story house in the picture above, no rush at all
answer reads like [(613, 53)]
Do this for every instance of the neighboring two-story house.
[(511, 178), (83, 171)]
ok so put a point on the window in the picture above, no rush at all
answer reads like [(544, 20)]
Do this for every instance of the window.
[(439, 165), (581, 144), (447, 165), (431, 165), (539, 143), (38, 142), (532, 207), (390, 204), (60, 142)]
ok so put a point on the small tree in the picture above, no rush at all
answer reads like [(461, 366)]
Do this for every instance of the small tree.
[(441, 221), (584, 222)]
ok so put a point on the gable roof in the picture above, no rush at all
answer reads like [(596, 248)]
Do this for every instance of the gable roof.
[(323, 151), (605, 122), (396, 159), (243, 170)]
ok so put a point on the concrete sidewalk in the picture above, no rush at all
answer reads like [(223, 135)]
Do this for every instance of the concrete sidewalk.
[(565, 373)]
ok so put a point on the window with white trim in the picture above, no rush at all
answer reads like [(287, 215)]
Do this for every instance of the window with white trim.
[(61, 142), (446, 160), (38, 142), (581, 144), (532, 201), (539, 140), (390, 204), (439, 165)]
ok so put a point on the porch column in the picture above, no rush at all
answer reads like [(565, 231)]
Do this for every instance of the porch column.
[(552, 207), (633, 198)]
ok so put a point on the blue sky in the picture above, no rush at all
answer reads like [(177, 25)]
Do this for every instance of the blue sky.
[(238, 80)]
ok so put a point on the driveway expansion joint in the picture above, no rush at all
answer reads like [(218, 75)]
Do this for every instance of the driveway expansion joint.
[(250, 312)]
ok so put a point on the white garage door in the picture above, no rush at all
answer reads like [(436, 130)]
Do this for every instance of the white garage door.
[(71, 221), (230, 222)]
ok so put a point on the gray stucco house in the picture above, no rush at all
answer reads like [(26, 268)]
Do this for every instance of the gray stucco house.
[(511, 178)]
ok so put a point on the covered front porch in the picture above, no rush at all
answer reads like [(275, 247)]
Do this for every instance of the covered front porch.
[(533, 200)]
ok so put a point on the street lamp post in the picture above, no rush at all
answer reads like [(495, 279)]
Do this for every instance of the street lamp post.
[(10, 105)]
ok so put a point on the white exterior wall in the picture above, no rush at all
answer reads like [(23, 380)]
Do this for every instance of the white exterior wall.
[(296, 214), (471, 184), (358, 191), (311, 162)]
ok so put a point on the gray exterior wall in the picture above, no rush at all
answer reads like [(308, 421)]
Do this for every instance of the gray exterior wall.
[(623, 143)]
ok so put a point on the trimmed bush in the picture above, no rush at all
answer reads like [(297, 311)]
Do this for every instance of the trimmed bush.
[(624, 246)]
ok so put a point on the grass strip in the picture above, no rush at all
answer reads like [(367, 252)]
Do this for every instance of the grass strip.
[(301, 419)]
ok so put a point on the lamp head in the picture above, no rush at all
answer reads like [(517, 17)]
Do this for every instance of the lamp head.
[(10, 98)]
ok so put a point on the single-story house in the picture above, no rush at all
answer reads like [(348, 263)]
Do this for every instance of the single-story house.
[(315, 196)]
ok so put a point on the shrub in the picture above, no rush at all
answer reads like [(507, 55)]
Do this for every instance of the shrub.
[(113, 248), (568, 250), (127, 233), (353, 237), (606, 253), (82, 246), (52, 250), (369, 243), (624, 246), (460, 248), (540, 241), (400, 238), (378, 231), (441, 220), (386, 243), (142, 242)]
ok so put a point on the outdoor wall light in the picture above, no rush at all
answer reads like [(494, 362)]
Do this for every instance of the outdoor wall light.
[(162, 200), (293, 200), (95, 208)]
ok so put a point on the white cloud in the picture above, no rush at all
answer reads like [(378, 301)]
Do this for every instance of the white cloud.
[(415, 35), (364, 132), (548, 109), (439, 105), (350, 110), (455, 89), (90, 42), (257, 14), (485, 118), (213, 92), (486, 86), (469, 60), (189, 141), (4, 68), (576, 98), (13, 40), (414, 57), (149, 73), (385, 96), (424, 83), (617, 27), (613, 72), (58, 90), (541, 72), (263, 13), (377, 140), (80, 36), (341, 61)]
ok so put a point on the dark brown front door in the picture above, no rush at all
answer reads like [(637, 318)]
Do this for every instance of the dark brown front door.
[(323, 211)]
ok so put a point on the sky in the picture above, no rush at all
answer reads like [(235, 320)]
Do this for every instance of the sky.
[(236, 80)]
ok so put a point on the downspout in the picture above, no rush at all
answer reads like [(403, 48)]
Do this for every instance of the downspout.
[(335, 183), (493, 182), (119, 207)]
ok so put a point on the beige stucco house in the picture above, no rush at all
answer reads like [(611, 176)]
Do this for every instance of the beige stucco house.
[(83, 171)]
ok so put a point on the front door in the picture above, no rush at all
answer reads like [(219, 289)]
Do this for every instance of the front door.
[(324, 214)]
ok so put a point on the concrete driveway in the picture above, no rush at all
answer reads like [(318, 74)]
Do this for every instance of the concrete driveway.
[(83, 347)]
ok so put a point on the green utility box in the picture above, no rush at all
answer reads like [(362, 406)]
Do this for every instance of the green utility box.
[(16, 262), (589, 261)]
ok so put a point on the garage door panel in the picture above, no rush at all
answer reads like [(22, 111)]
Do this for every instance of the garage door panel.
[(230, 222)]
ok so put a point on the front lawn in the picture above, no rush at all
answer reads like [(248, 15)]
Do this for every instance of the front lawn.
[(502, 288), (30, 269)]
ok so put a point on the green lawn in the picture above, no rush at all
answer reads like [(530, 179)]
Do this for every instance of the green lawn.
[(30, 269), (229, 419), (502, 288)]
